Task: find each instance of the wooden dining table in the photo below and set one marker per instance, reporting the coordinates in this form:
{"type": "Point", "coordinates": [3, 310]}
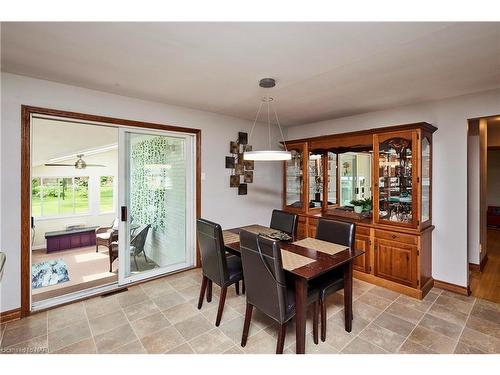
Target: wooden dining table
{"type": "Point", "coordinates": [305, 260]}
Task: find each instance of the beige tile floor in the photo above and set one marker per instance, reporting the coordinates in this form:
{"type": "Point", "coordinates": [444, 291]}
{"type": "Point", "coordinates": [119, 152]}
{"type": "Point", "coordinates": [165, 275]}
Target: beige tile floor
{"type": "Point", "coordinates": [161, 317]}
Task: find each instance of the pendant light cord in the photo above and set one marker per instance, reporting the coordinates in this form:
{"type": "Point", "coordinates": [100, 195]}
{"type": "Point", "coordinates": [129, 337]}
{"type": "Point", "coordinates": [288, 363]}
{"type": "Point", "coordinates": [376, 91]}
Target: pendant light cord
{"type": "Point", "coordinates": [279, 127]}
{"type": "Point", "coordinates": [269, 120]}
{"type": "Point", "coordinates": [255, 120]}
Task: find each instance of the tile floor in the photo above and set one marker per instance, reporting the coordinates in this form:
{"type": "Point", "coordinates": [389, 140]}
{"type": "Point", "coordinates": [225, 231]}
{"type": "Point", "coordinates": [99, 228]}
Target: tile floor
{"type": "Point", "coordinates": [161, 317]}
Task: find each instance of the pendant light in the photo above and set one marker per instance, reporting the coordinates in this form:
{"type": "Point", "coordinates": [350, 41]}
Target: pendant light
{"type": "Point", "coordinates": [270, 154]}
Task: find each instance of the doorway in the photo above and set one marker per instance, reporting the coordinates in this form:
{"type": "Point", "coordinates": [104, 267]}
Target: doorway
{"type": "Point", "coordinates": [105, 203]}
{"type": "Point", "coordinates": [484, 207]}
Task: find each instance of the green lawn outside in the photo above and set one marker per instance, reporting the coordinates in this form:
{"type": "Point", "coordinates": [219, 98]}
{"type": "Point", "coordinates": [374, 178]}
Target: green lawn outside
{"type": "Point", "coordinates": [57, 206]}
{"type": "Point", "coordinates": [106, 203]}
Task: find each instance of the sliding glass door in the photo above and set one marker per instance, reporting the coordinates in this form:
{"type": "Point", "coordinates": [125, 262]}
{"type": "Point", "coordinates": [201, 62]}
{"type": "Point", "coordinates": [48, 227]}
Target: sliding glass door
{"type": "Point", "coordinates": [157, 204]}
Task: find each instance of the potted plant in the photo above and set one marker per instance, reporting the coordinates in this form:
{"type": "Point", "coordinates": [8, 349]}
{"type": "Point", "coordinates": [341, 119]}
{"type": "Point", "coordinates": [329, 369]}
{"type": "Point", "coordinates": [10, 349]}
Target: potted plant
{"type": "Point", "coordinates": [367, 204]}
{"type": "Point", "coordinates": [358, 205]}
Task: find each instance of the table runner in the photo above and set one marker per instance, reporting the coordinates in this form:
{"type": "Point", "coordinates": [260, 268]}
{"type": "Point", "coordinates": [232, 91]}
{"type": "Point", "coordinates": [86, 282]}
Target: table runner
{"type": "Point", "coordinates": [257, 229]}
{"type": "Point", "coordinates": [322, 246]}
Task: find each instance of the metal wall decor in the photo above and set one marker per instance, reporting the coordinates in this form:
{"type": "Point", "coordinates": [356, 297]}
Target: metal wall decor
{"type": "Point", "coordinates": [242, 170]}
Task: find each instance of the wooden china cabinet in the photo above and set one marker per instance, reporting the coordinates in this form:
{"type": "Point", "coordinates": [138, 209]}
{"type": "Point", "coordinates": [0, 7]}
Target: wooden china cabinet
{"type": "Point", "coordinates": [392, 166]}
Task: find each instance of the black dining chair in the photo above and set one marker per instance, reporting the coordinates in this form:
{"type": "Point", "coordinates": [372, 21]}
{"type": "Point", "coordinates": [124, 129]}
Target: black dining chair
{"type": "Point", "coordinates": [342, 233]}
{"type": "Point", "coordinates": [267, 288]}
{"type": "Point", "coordinates": [217, 267]}
{"type": "Point", "coordinates": [285, 222]}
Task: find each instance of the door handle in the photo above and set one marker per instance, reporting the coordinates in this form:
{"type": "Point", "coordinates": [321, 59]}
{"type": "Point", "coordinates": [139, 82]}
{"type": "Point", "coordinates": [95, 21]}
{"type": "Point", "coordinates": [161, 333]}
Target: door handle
{"type": "Point", "coordinates": [124, 213]}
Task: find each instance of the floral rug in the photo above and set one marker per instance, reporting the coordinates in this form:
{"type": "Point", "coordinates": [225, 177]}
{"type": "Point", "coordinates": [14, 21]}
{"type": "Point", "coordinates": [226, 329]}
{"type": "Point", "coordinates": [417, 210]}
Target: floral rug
{"type": "Point", "coordinates": [49, 273]}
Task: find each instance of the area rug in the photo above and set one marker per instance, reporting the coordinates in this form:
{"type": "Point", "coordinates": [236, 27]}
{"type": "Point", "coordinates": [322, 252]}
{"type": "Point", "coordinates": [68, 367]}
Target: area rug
{"type": "Point", "coordinates": [49, 273]}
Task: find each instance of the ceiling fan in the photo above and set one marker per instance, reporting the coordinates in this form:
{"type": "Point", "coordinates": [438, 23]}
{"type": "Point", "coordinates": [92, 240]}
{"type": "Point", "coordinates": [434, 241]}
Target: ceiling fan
{"type": "Point", "coordinates": [79, 164]}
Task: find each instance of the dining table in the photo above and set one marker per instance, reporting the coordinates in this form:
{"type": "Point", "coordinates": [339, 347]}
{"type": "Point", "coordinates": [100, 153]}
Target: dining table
{"type": "Point", "coordinates": [305, 260]}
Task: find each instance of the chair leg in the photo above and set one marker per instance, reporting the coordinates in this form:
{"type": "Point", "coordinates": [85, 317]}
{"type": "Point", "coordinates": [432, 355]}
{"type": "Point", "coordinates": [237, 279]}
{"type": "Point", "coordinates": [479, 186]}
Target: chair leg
{"type": "Point", "coordinates": [146, 259]}
{"type": "Point", "coordinates": [323, 319]}
{"type": "Point", "coordinates": [135, 261]}
{"type": "Point", "coordinates": [246, 325]}
{"type": "Point", "coordinates": [281, 339]}
{"type": "Point", "coordinates": [209, 291]}
{"type": "Point", "coordinates": [243, 286]}
{"type": "Point", "coordinates": [237, 287]}
{"type": "Point", "coordinates": [222, 300]}
{"type": "Point", "coordinates": [202, 291]}
{"type": "Point", "coordinates": [315, 321]}
{"type": "Point", "coordinates": [96, 248]}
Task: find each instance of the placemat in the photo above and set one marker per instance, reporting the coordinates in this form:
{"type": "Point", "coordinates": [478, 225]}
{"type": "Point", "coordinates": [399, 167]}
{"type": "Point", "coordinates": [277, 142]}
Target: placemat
{"type": "Point", "coordinates": [292, 261]}
{"type": "Point", "coordinates": [319, 245]}
{"type": "Point", "coordinates": [230, 237]}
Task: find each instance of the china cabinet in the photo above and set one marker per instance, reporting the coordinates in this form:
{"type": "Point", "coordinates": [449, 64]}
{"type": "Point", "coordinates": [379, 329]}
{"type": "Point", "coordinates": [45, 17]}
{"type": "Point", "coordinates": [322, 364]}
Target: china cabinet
{"type": "Point", "coordinates": [389, 171]}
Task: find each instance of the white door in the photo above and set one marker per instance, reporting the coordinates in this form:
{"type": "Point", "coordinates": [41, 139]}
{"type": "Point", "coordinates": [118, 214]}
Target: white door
{"type": "Point", "coordinates": [157, 203]}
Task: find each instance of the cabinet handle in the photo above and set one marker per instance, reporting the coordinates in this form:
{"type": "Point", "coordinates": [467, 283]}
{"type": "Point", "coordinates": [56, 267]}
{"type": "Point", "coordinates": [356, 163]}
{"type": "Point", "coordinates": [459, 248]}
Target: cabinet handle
{"type": "Point", "coordinates": [394, 236]}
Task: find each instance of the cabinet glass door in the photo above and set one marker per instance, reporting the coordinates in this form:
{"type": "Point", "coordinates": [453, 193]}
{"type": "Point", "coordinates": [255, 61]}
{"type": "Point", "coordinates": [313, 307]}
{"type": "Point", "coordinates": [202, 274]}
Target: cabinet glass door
{"type": "Point", "coordinates": [315, 180]}
{"type": "Point", "coordinates": [395, 179]}
{"type": "Point", "coordinates": [426, 180]}
{"type": "Point", "coordinates": [294, 183]}
{"type": "Point", "coordinates": [332, 178]}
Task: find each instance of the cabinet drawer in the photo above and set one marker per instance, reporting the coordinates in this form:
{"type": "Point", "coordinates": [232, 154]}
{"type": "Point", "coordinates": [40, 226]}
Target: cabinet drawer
{"type": "Point", "coordinates": [363, 231]}
{"type": "Point", "coordinates": [397, 237]}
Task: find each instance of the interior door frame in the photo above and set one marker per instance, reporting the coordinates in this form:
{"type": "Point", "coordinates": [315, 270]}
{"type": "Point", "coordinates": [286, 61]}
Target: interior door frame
{"type": "Point", "coordinates": [26, 113]}
{"type": "Point", "coordinates": [124, 278]}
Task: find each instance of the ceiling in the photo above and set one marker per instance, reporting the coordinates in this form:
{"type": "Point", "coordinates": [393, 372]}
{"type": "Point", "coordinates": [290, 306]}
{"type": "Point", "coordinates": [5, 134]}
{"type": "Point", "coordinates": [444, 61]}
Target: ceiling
{"type": "Point", "coordinates": [323, 70]}
{"type": "Point", "coordinates": [71, 139]}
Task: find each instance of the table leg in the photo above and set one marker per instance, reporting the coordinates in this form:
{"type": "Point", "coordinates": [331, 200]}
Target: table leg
{"type": "Point", "coordinates": [300, 314]}
{"type": "Point", "coordinates": [348, 296]}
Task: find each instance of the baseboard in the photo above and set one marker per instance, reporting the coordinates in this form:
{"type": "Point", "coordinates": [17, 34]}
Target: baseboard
{"type": "Point", "coordinates": [474, 267]}
{"type": "Point", "coordinates": [396, 287]}
{"type": "Point", "coordinates": [452, 287]}
{"type": "Point", "coordinates": [479, 267]}
{"type": "Point", "coordinates": [8, 316]}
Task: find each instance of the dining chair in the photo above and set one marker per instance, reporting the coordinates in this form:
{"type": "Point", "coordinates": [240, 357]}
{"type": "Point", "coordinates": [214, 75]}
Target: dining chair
{"type": "Point", "coordinates": [137, 244]}
{"type": "Point", "coordinates": [267, 288]}
{"type": "Point", "coordinates": [216, 266]}
{"type": "Point", "coordinates": [285, 222]}
{"type": "Point", "coordinates": [342, 233]}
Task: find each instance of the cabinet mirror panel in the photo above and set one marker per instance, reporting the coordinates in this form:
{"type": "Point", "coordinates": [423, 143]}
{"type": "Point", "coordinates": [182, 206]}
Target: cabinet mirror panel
{"type": "Point", "coordinates": [426, 179]}
{"type": "Point", "coordinates": [294, 179]}
{"type": "Point", "coordinates": [316, 195]}
{"type": "Point", "coordinates": [395, 180]}
{"type": "Point", "coordinates": [355, 177]}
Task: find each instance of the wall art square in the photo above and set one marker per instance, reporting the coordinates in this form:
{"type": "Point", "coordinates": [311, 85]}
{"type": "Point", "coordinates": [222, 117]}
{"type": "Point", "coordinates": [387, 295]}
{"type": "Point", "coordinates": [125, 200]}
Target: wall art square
{"type": "Point", "coordinates": [242, 189]}
{"type": "Point", "coordinates": [238, 169]}
{"type": "Point", "coordinates": [249, 165]}
{"type": "Point", "coordinates": [234, 181]}
{"type": "Point", "coordinates": [230, 162]}
{"type": "Point", "coordinates": [234, 147]}
{"type": "Point", "coordinates": [248, 177]}
{"type": "Point", "coordinates": [242, 138]}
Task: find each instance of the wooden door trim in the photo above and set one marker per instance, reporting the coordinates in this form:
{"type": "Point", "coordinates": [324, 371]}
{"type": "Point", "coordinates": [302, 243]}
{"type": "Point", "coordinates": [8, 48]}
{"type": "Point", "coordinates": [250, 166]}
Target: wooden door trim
{"type": "Point", "coordinates": [26, 112]}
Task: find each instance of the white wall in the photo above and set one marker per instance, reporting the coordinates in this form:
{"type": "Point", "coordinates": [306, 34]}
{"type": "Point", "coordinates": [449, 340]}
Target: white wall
{"type": "Point", "coordinates": [449, 258]}
{"type": "Point", "coordinates": [94, 217]}
{"type": "Point", "coordinates": [473, 241]}
{"type": "Point", "coordinates": [219, 202]}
